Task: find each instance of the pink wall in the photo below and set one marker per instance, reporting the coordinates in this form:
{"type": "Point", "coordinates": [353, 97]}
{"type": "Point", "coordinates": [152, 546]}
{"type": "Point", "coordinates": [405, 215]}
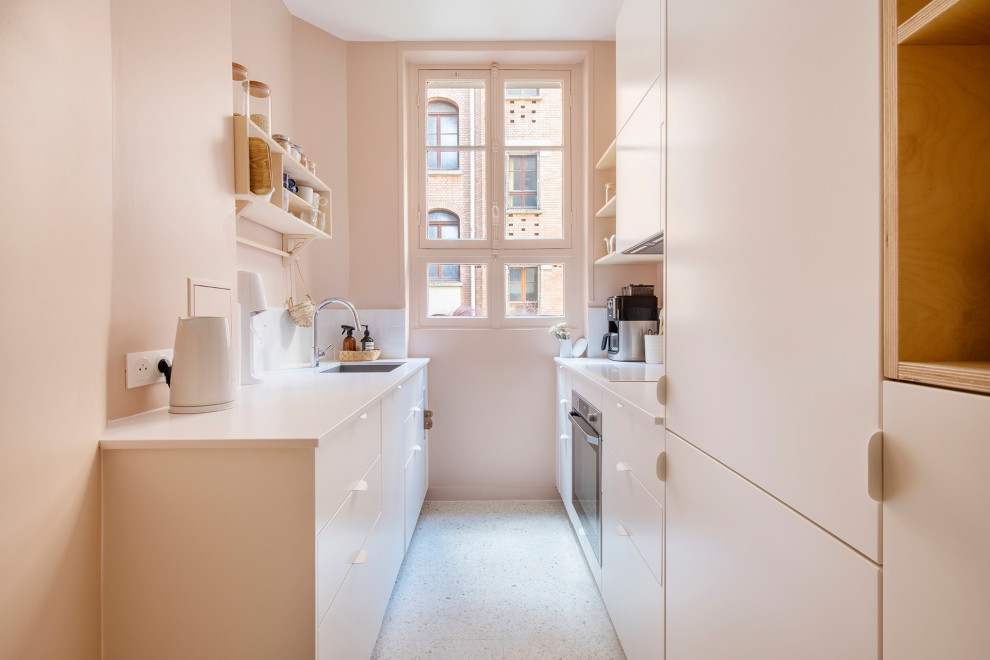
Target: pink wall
{"type": "Point", "coordinates": [55, 259]}
{"type": "Point", "coordinates": [377, 253]}
{"type": "Point", "coordinates": [320, 101]}
{"type": "Point", "coordinates": [172, 177]}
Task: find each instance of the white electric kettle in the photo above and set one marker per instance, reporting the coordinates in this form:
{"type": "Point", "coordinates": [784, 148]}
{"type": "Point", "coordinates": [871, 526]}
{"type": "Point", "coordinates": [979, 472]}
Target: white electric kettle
{"type": "Point", "coordinates": [202, 374]}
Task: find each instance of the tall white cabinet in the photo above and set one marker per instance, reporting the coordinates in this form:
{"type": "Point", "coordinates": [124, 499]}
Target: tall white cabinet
{"type": "Point", "coordinates": [773, 326]}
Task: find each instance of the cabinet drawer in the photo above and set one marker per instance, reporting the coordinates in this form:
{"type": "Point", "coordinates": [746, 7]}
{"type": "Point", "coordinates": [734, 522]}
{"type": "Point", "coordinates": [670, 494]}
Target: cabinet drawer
{"type": "Point", "coordinates": [342, 458]}
{"type": "Point", "coordinates": [633, 597]}
{"type": "Point", "coordinates": [412, 429]}
{"type": "Point", "coordinates": [409, 395]}
{"type": "Point", "coordinates": [632, 507]}
{"type": "Point", "coordinates": [635, 439]}
{"type": "Point", "coordinates": [417, 481]}
{"type": "Point", "coordinates": [588, 391]}
{"type": "Point", "coordinates": [342, 538]}
{"type": "Point", "coordinates": [354, 619]}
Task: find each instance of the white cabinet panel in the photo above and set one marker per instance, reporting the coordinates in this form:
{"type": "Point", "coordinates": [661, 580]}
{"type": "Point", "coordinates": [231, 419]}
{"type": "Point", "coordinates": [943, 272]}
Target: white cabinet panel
{"type": "Point", "coordinates": [936, 523]}
{"type": "Point", "coordinates": [634, 510]}
{"type": "Point", "coordinates": [633, 597]}
{"type": "Point", "coordinates": [749, 578]}
{"type": "Point", "coordinates": [417, 483]}
{"type": "Point", "coordinates": [635, 438]}
{"type": "Point", "coordinates": [342, 458]}
{"type": "Point", "coordinates": [639, 172]}
{"type": "Point", "coordinates": [638, 54]}
{"type": "Point", "coordinates": [562, 406]}
{"type": "Point", "coordinates": [773, 251]}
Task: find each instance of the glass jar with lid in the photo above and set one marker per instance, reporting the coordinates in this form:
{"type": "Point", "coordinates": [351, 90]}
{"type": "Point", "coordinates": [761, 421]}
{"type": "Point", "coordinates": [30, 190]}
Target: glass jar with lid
{"type": "Point", "coordinates": [241, 80]}
{"type": "Point", "coordinates": [261, 105]}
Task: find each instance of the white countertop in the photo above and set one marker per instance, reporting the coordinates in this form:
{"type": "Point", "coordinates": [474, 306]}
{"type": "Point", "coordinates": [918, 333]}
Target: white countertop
{"type": "Point", "coordinates": [289, 410]}
{"type": "Point", "coordinates": [640, 392]}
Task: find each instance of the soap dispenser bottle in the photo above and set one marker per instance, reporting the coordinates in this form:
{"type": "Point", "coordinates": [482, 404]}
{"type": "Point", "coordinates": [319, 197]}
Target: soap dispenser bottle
{"type": "Point", "coordinates": [350, 343]}
{"type": "Point", "coordinates": [367, 343]}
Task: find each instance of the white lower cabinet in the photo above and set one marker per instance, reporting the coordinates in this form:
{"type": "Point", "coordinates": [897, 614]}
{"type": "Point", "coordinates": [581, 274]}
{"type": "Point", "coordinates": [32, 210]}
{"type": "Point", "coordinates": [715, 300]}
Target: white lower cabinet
{"type": "Point", "coordinates": [936, 529]}
{"type": "Point", "coordinates": [352, 623]}
{"type": "Point", "coordinates": [632, 550]}
{"type": "Point", "coordinates": [748, 578]}
{"type": "Point", "coordinates": [416, 480]}
{"type": "Point", "coordinates": [563, 427]}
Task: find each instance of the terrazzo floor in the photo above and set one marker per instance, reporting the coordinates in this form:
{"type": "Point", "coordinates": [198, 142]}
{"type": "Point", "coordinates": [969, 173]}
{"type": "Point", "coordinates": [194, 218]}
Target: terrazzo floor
{"type": "Point", "coordinates": [496, 580]}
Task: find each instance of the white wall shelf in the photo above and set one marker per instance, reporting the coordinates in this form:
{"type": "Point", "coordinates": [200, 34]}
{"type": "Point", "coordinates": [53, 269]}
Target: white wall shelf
{"type": "Point", "coordinates": [607, 161]}
{"type": "Point", "coordinates": [608, 210]}
{"type": "Point", "coordinates": [619, 259]}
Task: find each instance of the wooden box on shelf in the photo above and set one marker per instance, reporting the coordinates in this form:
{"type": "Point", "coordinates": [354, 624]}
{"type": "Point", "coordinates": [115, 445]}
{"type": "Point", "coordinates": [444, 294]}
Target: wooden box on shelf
{"type": "Point", "coordinates": [296, 234]}
{"type": "Point", "coordinates": [936, 197]}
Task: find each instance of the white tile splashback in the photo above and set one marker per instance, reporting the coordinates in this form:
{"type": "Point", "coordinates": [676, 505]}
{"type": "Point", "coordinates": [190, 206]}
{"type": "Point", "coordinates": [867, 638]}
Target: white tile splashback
{"type": "Point", "coordinates": [284, 345]}
{"type": "Point", "coordinates": [387, 327]}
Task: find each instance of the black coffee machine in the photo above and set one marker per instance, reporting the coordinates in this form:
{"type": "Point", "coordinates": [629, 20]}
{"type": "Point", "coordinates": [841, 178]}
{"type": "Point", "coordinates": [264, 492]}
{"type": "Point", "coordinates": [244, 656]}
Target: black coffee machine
{"type": "Point", "coordinates": [630, 316]}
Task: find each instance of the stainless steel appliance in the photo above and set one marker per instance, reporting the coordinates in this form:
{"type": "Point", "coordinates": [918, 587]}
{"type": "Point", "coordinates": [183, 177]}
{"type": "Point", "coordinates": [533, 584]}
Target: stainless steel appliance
{"type": "Point", "coordinates": [629, 317]}
{"type": "Point", "coordinates": [586, 469]}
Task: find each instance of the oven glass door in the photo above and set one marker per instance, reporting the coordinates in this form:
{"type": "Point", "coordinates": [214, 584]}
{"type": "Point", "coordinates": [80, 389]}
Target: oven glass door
{"type": "Point", "coordinates": [586, 480]}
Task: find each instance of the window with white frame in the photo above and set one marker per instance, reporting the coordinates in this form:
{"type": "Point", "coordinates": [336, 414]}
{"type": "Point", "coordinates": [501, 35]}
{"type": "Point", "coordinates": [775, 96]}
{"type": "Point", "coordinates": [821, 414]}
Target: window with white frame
{"type": "Point", "coordinates": [493, 221]}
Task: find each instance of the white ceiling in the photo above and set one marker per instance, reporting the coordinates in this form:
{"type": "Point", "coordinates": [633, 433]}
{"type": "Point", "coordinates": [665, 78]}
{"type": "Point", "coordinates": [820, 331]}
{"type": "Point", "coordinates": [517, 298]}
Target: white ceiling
{"type": "Point", "coordinates": [461, 20]}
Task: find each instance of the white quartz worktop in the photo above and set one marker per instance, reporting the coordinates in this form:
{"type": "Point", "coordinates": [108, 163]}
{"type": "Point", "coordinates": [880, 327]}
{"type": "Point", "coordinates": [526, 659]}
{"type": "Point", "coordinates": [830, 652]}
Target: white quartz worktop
{"type": "Point", "coordinates": [289, 410]}
{"type": "Point", "coordinates": [615, 377]}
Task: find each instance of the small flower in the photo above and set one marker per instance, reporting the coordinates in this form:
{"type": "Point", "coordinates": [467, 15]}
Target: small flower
{"type": "Point", "coordinates": [559, 331]}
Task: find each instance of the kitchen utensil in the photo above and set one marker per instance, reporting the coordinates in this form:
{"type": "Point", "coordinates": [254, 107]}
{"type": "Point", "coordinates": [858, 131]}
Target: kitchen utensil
{"type": "Point", "coordinates": [260, 164]}
{"type": "Point", "coordinates": [202, 374]}
{"type": "Point", "coordinates": [308, 216]}
{"type": "Point", "coordinates": [580, 344]}
{"type": "Point", "coordinates": [260, 101]}
{"type": "Point", "coordinates": [306, 194]}
{"type": "Point", "coordinates": [241, 80]}
{"type": "Point", "coordinates": [653, 348]}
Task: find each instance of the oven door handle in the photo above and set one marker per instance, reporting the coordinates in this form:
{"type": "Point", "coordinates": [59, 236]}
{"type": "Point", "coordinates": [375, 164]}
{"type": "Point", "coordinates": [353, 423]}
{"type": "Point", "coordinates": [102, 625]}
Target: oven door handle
{"type": "Point", "coordinates": [591, 435]}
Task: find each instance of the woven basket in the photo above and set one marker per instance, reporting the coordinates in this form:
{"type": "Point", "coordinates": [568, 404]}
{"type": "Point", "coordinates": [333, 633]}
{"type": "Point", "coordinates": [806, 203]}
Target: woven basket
{"type": "Point", "coordinates": [358, 356]}
{"type": "Point", "coordinates": [302, 312]}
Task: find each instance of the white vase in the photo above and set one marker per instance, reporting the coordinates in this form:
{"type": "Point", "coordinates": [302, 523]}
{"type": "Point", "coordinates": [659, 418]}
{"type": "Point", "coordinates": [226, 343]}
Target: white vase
{"type": "Point", "coordinates": [566, 348]}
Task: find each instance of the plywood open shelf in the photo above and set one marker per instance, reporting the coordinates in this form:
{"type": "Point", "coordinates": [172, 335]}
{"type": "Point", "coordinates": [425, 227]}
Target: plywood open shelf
{"type": "Point", "coordinates": [937, 201]}
{"type": "Point", "coordinates": [947, 22]}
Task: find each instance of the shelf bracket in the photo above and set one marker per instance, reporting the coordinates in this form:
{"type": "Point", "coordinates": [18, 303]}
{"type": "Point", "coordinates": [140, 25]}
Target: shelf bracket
{"type": "Point", "coordinates": [293, 252]}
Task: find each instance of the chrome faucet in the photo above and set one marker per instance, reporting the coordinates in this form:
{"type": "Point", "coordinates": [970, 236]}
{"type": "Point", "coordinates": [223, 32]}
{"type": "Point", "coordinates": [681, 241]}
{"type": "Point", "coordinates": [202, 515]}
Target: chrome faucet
{"type": "Point", "coordinates": [314, 360]}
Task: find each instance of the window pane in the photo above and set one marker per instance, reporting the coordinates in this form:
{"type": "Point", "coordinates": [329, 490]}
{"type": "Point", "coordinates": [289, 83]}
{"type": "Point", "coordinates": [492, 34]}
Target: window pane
{"type": "Point", "coordinates": [515, 274]}
{"type": "Point", "coordinates": [467, 98]}
{"type": "Point", "coordinates": [457, 290]}
{"type": "Point", "coordinates": [533, 113]}
{"type": "Point", "coordinates": [458, 189]}
{"type": "Point", "coordinates": [534, 195]}
{"type": "Point", "coordinates": [539, 293]}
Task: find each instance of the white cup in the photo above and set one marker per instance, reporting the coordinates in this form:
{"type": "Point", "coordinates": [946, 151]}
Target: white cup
{"type": "Point", "coordinates": [305, 194]}
{"type": "Point", "coordinates": [653, 345]}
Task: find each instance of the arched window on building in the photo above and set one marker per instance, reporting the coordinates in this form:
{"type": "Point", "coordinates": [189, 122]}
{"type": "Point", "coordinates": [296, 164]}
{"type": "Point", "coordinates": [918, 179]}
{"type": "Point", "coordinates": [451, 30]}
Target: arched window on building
{"type": "Point", "coordinates": [440, 225]}
{"type": "Point", "coordinates": [441, 131]}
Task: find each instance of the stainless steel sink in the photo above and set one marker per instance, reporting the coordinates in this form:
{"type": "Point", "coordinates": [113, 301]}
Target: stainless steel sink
{"type": "Point", "coordinates": [362, 367]}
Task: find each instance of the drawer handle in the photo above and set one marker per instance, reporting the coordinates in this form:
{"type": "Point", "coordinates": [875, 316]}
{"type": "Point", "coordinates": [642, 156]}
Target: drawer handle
{"type": "Point", "coordinates": [581, 532]}
{"type": "Point", "coordinates": [621, 531]}
{"type": "Point", "coordinates": [662, 391]}
{"type": "Point", "coordinates": [564, 401]}
{"type": "Point", "coordinates": [619, 405]}
{"type": "Point", "coordinates": [398, 387]}
{"type": "Point", "coordinates": [621, 467]}
{"type": "Point", "coordinates": [662, 466]}
{"type": "Point", "coordinates": [364, 415]}
{"type": "Point", "coordinates": [360, 557]}
{"type": "Point", "coordinates": [360, 484]}
{"type": "Point", "coordinates": [417, 448]}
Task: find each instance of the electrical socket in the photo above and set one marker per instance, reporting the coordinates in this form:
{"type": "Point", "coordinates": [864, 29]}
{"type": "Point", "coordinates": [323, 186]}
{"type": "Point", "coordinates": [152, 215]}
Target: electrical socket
{"type": "Point", "coordinates": [142, 368]}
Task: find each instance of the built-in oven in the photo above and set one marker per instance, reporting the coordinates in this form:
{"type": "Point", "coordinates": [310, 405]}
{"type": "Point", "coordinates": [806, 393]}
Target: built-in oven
{"type": "Point", "coordinates": [586, 471]}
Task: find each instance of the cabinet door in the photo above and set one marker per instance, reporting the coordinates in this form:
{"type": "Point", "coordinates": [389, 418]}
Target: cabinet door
{"type": "Point", "coordinates": [773, 248]}
{"type": "Point", "coordinates": [562, 406]}
{"type": "Point", "coordinates": [936, 537]}
{"type": "Point", "coordinates": [639, 172]}
{"type": "Point", "coordinates": [632, 594]}
{"type": "Point", "coordinates": [638, 54]}
{"type": "Point", "coordinates": [747, 578]}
